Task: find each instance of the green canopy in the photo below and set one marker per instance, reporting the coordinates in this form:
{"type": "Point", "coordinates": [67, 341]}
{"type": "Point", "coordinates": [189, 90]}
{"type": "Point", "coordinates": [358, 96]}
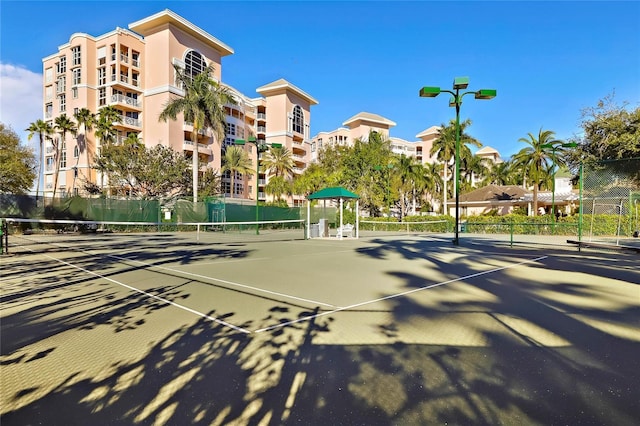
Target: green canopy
{"type": "Point", "coordinates": [332, 193]}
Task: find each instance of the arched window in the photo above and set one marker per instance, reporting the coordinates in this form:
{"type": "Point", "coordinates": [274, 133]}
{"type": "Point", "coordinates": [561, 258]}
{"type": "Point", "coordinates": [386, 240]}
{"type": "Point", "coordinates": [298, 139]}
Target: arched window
{"type": "Point", "coordinates": [194, 63]}
{"type": "Point", "coordinates": [298, 119]}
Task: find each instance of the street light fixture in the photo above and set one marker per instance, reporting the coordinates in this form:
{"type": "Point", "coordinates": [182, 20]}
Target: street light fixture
{"type": "Point", "coordinates": [554, 148]}
{"type": "Point", "coordinates": [260, 148]}
{"type": "Point", "coordinates": [459, 83]}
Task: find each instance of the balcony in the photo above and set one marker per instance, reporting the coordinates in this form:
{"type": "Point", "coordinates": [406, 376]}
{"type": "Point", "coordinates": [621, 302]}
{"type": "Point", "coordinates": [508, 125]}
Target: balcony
{"type": "Point", "coordinates": [128, 122]}
{"type": "Point", "coordinates": [126, 101]}
{"type": "Point", "coordinates": [187, 145]}
{"type": "Point", "coordinates": [261, 129]}
{"type": "Point", "coordinates": [135, 62]}
{"type": "Point", "coordinates": [262, 116]}
{"type": "Point", "coordinates": [124, 58]}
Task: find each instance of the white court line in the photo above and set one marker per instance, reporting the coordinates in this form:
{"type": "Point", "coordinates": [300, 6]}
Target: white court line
{"type": "Point", "coordinates": [393, 296]}
{"type": "Point", "coordinates": [153, 296]}
{"type": "Point", "coordinates": [204, 277]}
{"type": "Point", "coordinates": [230, 283]}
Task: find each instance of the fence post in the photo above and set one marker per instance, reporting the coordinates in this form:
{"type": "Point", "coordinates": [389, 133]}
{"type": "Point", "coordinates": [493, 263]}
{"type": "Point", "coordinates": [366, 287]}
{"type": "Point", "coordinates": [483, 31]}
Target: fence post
{"type": "Point", "coordinates": [511, 233]}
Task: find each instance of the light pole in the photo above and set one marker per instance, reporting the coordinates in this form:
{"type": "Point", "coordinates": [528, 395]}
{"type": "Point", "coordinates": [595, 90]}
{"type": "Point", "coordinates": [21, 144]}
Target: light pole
{"type": "Point", "coordinates": [459, 83]}
{"type": "Point", "coordinates": [554, 148]}
{"type": "Point", "coordinates": [260, 148]}
{"type": "Point", "coordinates": [389, 167]}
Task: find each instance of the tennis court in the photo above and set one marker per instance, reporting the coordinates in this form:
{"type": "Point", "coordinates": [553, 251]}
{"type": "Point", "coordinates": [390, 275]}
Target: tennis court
{"type": "Point", "coordinates": [390, 328]}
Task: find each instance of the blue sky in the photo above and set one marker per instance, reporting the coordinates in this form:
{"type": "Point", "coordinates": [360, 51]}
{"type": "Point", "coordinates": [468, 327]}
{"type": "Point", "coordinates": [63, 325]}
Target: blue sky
{"type": "Point", "coordinates": [547, 60]}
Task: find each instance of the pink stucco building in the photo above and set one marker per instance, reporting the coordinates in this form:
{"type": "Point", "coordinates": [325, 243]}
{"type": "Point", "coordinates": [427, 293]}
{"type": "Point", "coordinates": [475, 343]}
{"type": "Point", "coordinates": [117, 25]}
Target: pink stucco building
{"type": "Point", "coordinates": [133, 70]}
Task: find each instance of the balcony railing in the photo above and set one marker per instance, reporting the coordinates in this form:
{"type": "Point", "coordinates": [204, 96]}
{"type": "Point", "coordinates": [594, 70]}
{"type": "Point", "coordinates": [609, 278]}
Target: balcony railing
{"type": "Point", "coordinates": [130, 121]}
{"type": "Point", "coordinates": [262, 129]}
{"type": "Point", "coordinates": [135, 62]}
{"type": "Point", "coordinates": [262, 116]}
{"type": "Point", "coordinates": [201, 146]}
{"type": "Point", "coordinates": [125, 100]}
{"type": "Point", "coordinates": [124, 58]}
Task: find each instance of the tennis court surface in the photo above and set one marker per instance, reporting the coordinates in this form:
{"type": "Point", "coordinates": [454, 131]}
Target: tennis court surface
{"type": "Point", "coordinates": [388, 329]}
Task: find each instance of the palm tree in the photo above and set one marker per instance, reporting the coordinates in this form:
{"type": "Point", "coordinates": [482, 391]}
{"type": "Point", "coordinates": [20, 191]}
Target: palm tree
{"type": "Point", "coordinates": [499, 174]}
{"type": "Point", "coordinates": [535, 159]}
{"type": "Point", "coordinates": [236, 160]}
{"type": "Point", "coordinates": [278, 161]}
{"type": "Point", "coordinates": [409, 174]}
{"type": "Point", "coordinates": [44, 130]}
{"type": "Point", "coordinates": [106, 133]}
{"type": "Point", "coordinates": [474, 167]}
{"type": "Point", "coordinates": [63, 125]}
{"type": "Point", "coordinates": [277, 186]}
{"type": "Point", "coordinates": [203, 106]}
{"type": "Point", "coordinates": [445, 148]}
{"type": "Point", "coordinates": [86, 119]}
{"type": "Point", "coordinates": [432, 181]}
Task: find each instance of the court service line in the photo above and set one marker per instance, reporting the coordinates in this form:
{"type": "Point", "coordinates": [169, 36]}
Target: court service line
{"type": "Point", "coordinates": [230, 283]}
{"type": "Point", "coordinates": [393, 296]}
{"type": "Point", "coordinates": [153, 296]}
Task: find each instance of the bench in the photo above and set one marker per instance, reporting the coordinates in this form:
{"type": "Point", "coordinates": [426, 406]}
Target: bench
{"type": "Point", "coordinates": [345, 230]}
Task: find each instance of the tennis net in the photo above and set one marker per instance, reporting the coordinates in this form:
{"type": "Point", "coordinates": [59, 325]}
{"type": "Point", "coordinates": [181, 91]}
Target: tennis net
{"type": "Point", "coordinates": [50, 234]}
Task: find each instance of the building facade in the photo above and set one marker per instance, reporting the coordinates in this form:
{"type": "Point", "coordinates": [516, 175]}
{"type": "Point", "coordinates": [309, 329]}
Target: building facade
{"type": "Point", "coordinates": [133, 71]}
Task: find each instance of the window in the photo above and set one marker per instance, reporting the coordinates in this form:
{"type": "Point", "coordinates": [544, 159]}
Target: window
{"type": "Point", "coordinates": [61, 84]}
{"type": "Point", "coordinates": [102, 96]}
{"type": "Point", "coordinates": [48, 75]}
{"type": "Point", "coordinates": [77, 76]}
{"type": "Point", "coordinates": [231, 129]}
{"type": "Point", "coordinates": [134, 58]}
{"type": "Point", "coordinates": [75, 111]}
{"type": "Point", "coordinates": [76, 56]}
{"type": "Point", "coordinates": [134, 79]}
{"type": "Point", "coordinates": [63, 155]}
{"type": "Point", "coordinates": [62, 65]}
{"type": "Point", "coordinates": [298, 119]}
{"type": "Point", "coordinates": [76, 151]}
{"type": "Point", "coordinates": [48, 94]}
{"type": "Point", "coordinates": [63, 103]}
{"type": "Point", "coordinates": [48, 111]}
{"type": "Point", "coordinates": [74, 92]}
{"type": "Point", "coordinates": [194, 63]}
{"type": "Point", "coordinates": [102, 76]}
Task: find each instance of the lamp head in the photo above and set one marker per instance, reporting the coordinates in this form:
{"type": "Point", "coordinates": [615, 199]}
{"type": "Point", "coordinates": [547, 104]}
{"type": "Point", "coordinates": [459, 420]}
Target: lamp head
{"type": "Point", "coordinates": [486, 94]}
{"type": "Point", "coordinates": [429, 92]}
{"type": "Point", "coordinates": [452, 101]}
{"type": "Point", "coordinates": [460, 82]}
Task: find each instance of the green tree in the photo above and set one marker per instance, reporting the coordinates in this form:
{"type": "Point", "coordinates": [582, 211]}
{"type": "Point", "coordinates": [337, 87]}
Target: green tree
{"type": "Point", "coordinates": [444, 148]}
{"type": "Point", "coordinates": [611, 132]}
{"type": "Point", "coordinates": [63, 125]}
{"type": "Point", "coordinates": [277, 186]}
{"type": "Point", "coordinates": [140, 172]}
{"type": "Point", "coordinates": [535, 160]}
{"type": "Point", "coordinates": [473, 167]}
{"type": "Point", "coordinates": [409, 173]}
{"type": "Point", "coordinates": [313, 179]}
{"type": "Point", "coordinates": [17, 163]}
{"type": "Point", "coordinates": [203, 106]}
{"type": "Point", "coordinates": [86, 120]}
{"type": "Point", "coordinates": [499, 174]}
{"type": "Point", "coordinates": [44, 131]}
{"type": "Point", "coordinates": [236, 160]}
{"type": "Point", "coordinates": [278, 161]}
{"type": "Point", "coordinates": [210, 184]}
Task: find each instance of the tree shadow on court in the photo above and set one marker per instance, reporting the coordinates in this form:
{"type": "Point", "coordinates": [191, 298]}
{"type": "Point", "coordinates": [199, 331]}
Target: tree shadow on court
{"type": "Point", "coordinates": [587, 376]}
{"type": "Point", "coordinates": [206, 373]}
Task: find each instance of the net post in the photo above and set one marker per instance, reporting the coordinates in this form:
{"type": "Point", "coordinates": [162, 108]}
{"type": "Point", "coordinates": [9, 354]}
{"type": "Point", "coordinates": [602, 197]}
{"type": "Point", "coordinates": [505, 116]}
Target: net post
{"type": "Point", "coordinates": [198, 232]}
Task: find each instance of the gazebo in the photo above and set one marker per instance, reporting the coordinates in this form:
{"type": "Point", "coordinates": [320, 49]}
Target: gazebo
{"type": "Point", "coordinates": [333, 193]}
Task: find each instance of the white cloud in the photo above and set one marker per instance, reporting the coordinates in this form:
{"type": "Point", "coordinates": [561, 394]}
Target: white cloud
{"type": "Point", "coordinates": [20, 98]}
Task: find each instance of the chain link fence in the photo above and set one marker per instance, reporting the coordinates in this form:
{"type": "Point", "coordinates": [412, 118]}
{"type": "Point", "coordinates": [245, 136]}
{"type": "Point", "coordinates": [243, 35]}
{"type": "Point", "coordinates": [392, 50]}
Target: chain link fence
{"type": "Point", "coordinates": [610, 201]}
